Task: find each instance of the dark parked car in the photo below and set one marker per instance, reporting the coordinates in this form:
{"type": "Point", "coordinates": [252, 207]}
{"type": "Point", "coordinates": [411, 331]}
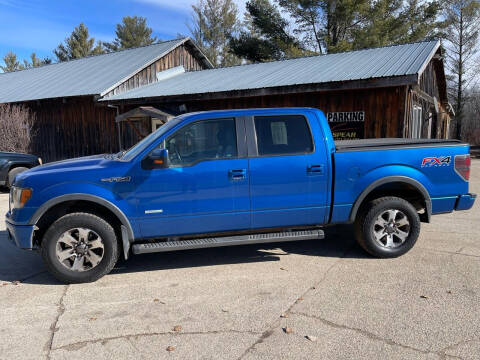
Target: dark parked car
{"type": "Point", "coordinates": [12, 164]}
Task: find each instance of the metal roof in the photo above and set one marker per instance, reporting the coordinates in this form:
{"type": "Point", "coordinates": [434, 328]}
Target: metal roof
{"type": "Point", "coordinates": [93, 75]}
{"type": "Point", "coordinates": [391, 61]}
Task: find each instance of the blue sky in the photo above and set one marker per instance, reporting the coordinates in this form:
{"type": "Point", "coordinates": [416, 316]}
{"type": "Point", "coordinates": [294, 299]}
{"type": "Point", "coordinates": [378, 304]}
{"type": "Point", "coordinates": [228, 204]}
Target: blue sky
{"type": "Point", "coordinates": [38, 26]}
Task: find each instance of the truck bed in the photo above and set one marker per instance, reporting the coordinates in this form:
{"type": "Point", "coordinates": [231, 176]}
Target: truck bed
{"type": "Point", "coordinates": [390, 143]}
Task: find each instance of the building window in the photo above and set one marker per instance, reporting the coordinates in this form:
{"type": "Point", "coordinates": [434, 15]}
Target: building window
{"type": "Point", "coordinates": [416, 123]}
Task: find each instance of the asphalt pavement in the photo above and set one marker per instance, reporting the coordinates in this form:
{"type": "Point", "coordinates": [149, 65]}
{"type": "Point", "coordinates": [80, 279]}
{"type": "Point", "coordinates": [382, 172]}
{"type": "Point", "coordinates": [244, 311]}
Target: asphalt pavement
{"type": "Point", "coordinates": [303, 300]}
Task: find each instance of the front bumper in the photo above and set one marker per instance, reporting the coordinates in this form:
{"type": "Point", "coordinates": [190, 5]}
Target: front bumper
{"type": "Point", "coordinates": [21, 235]}
{"type": "Point", "coordinates": [465, 202]}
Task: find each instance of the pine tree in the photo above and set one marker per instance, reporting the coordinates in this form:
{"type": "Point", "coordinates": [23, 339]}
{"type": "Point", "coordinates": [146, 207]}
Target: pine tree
{"type": "Point", "coordinates": [462, 36]}
{"type": "Point", "coordinates": [213, 23]}
{"type": "Point", "coordinates": [326, 24]}
{"type": "Point", "coordinates": [422, 20]}
{"type": "Point", "coordinates": [340, 25]}
{"type": "Point", "coordinates": [265, 36]}
{"type": "Point", "coordinates": [132, 32]}
{"type": "Point", "coordinates": [383, 26]}
{"type": "Point", "coordinates": [35, 62]}
{"type": "Point", "coordinates": [11, 62]}
{"type": "Point", "coordinates": [79, 44]}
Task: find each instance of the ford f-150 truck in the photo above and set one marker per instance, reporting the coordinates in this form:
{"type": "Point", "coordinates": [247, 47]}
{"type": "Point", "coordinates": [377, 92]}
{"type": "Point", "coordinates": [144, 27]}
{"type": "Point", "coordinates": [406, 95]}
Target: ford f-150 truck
{"type": "Point", "coordinates": [234, 177]}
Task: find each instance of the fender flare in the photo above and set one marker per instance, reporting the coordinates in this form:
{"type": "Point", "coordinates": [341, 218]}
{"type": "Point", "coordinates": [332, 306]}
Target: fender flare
{"type": "Point", "coordinates": [390, 179]}
{"type": "Point", "coordinates": [86, 197]}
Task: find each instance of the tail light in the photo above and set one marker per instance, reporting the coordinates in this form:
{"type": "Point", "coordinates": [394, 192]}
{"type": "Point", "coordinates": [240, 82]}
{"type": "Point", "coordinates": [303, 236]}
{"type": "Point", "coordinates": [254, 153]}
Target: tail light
{"type": "Point", "coordinates": [462, 166]}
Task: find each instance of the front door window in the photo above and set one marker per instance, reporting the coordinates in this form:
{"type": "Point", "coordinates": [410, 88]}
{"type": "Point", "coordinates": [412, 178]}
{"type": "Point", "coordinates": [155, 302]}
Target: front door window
{"type": "Point", "coordinates": [202, 140]}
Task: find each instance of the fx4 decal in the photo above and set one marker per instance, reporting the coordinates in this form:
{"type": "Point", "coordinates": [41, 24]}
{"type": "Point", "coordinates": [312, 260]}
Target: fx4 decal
{"type": "Point", "coordinates": [436, 161]}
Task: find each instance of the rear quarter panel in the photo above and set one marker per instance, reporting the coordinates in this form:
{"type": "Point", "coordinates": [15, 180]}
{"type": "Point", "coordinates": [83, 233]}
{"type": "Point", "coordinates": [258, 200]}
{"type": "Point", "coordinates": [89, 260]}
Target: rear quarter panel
{"type": "Point", "coordinates": [356, 170]}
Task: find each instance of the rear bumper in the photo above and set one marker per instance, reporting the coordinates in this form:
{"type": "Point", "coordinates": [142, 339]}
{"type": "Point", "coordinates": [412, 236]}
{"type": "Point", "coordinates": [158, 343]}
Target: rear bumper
{"type": "Point", "coordinates": [465, 202]}
{"type": "Point", "coordinates": [20, 235]}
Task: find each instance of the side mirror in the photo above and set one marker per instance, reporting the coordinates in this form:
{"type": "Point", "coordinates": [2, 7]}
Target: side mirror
{"type": "Point", "coordinates": [157, 159]}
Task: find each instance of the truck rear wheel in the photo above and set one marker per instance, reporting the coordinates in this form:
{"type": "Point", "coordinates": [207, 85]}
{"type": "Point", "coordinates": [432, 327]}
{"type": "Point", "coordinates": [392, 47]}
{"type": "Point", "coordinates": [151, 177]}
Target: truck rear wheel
{"type": "Point", "coordinates": [80, 247]}
{"type": "Point", "coordinates": [387, 227]}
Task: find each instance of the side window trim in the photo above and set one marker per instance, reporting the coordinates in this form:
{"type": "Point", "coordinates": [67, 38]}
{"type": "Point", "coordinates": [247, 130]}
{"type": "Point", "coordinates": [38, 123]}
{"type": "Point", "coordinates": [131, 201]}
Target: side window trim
{"type": "Point", "coordinates": [242, 150]}
{"type": "Point", "coordinates": [252, 140]}
{"type": "Point", "coordinates": [251, 137]}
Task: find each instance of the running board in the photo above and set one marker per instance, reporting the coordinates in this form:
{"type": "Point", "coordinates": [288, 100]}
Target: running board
{"type": "Point", "coordinates": [227, 241]}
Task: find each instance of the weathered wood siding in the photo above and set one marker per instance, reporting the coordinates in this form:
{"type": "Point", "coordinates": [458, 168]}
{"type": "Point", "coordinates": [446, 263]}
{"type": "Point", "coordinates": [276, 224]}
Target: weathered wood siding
{"type": "Point", "coordinates": [76, 127]}
{"type": "Point", "coordinates": [427, 96]}
{"type": "Point", "coordinates": [130, 131]}
{"type": "Point", "coordinates": [182, 55]}
{"type": "Point", "coordinates": [428, 81]}
{"type": "Point", "coordinates": [384, 107]}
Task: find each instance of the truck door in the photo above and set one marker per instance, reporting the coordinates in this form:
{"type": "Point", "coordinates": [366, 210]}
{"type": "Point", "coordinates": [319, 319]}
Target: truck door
{"type": "Point", "coordinates": [288, 171]}
{"type": "Point", "coordinates": [205, 186]}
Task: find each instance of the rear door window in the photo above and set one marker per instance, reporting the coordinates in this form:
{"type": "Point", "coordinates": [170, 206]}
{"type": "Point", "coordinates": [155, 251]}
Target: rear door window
{"type": "Point", "coordinates": [283, 135]}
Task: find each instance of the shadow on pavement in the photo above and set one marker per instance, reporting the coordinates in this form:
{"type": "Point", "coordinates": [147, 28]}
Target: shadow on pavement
{"type": "Point", "coordinates": [27, 266]}
{"type": "Point", "coordinates": [17, 264]}
{"type": "Point", "coordinates": [338, 242]}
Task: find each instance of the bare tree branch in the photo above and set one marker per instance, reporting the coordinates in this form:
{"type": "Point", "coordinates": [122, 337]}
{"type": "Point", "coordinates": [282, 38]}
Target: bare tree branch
{"type": "Point", "coordinates": [16, 128]}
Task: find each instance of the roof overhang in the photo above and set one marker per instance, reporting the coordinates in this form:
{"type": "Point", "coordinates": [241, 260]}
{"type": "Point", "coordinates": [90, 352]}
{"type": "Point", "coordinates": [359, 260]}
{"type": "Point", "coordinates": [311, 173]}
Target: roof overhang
{"type": "Point", "coordinates": [438, 63]}
{"type": "Point", "coordinates": [432, 54]}
{"type": "Point", "coordinates": [281, 90]}
{"type": "Point", "coordinates": [143, 111]}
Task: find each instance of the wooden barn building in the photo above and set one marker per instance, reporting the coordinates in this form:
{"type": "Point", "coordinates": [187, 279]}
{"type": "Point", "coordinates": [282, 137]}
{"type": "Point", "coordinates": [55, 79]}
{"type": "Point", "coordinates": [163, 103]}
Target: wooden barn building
{"type": "Point", "coordinates": [395, 91]}
{"type": "Point", "coordinates": [70, 121]}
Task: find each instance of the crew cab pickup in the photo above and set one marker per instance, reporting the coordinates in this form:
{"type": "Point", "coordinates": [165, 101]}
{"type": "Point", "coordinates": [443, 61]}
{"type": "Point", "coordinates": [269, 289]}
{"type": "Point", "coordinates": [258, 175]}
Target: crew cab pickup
{"type": "Point", "coordinates": [234, 177]}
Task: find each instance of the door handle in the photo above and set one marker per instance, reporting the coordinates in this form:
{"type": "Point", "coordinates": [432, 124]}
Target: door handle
{"type": "Point", "coordinates": [315, 169]}
{"type": "Point", "coordinates": [237, 174]}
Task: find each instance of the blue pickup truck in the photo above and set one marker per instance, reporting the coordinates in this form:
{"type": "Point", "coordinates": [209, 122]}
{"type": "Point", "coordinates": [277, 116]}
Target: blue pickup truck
{"type": "Point", "coordinates": [234, 177]}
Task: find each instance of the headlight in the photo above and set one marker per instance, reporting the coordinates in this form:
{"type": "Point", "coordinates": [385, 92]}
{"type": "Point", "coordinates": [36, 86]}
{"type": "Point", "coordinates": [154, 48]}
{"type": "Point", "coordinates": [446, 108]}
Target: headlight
{"type": "Point", "coordinates": [40, 161]}
{"type": "Point", "coordinates": [18, 197]}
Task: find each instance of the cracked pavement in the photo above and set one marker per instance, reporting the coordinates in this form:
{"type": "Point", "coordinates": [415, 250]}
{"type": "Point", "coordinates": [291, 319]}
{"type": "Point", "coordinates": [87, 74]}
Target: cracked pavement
{"type": "Point", "coordinates": [229, 301]}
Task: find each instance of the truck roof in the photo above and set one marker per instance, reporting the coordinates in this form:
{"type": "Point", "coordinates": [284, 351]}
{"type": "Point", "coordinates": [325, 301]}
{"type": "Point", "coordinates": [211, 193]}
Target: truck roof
{"type": "Point", "coordinates": [280, 110]}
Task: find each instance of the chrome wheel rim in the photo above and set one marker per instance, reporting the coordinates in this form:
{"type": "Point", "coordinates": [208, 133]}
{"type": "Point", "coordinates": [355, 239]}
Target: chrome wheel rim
{"type": "Point", "coordinates": [79, 249]}
{"type": "Point", "coordinates": [391, 229]}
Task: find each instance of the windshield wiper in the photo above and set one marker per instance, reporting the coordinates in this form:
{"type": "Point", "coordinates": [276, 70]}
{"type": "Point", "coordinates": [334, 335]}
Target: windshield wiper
{"type": "Point", "coordinates": [115, 156]}
{"type": "Point", "coordinates": [120, 154]}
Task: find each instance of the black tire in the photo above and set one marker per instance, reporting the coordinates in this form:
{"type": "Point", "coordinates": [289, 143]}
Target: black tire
{"type": "Point", "coordinates": [365, 223]}
{"type": "Point", "coordinates": [111, 248]}
{"type": "Point", "coordinates": [14, 172]}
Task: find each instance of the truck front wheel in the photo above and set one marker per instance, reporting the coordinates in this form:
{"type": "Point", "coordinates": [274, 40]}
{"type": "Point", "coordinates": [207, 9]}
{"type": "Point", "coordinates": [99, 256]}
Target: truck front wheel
{"type": "Point", "coordinates": [80, 247]}
{"type": "Point", "coordinates": [387, 227]}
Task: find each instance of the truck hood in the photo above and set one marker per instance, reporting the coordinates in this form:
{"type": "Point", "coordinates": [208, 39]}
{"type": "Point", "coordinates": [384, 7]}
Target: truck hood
{"type": "Point", "coordinates": [84, 169]}
{"type": "Point", "coordinates": [85, 161]}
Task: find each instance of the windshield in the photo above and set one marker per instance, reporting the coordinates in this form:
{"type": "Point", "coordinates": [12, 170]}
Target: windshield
{"type": "Point", "coordinates": [145, 142]}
